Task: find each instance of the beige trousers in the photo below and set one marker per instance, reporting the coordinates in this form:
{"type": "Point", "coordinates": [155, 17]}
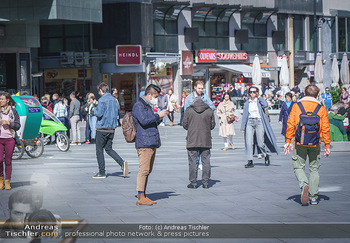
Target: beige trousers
{"type": "Point", "coordinates": [146, 160]}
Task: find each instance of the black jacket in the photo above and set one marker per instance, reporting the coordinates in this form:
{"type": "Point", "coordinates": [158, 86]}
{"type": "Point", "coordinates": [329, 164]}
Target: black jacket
{"type": "Point", "coordinates": [199, 120]}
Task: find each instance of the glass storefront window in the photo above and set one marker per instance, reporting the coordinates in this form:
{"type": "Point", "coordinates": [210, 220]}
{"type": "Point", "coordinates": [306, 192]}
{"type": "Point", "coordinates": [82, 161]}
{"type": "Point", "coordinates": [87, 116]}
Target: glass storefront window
{"type": "Point", "coordinates": [312, 32]}
{"type": "Point", "coordinates": [342, 34]}
{"type": "Point", "coordinates": [57, 38]}
{"type": "Point", "coordinates": [256, 44]}
{"type": "Point", "coordinates": [281, 26]}
{"type": "Point", "coordinates": [299, 36]}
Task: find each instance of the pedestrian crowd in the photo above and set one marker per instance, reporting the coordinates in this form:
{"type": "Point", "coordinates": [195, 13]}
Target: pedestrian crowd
{"type": "Point", "coordinates": [197, 111]}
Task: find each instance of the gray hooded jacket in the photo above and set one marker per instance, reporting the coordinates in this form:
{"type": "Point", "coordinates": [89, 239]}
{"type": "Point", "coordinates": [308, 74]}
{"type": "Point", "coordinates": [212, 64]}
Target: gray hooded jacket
{"type": "Point", "coordinates": [198, 120]}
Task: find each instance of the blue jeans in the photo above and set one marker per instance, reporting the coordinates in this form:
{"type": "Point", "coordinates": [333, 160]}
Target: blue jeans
{"type": "Point", "coordinates": [92, 123]}
{"type": "Point", "coordinates": [164, 119]}
{"type": "Point", "coordinates": [182, 115]}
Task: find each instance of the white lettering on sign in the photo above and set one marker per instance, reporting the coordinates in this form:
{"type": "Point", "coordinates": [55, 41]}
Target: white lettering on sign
{"type": "Point", "coordinates": [130, 54]}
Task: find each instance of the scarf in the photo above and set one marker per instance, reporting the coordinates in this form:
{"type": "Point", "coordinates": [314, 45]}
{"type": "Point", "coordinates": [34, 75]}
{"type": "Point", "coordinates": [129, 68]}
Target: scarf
{"type": "Point", "coordinates": [8, 111]}
{"type": "Point", "coordinates": [288, 104]}
{"type": "Point", "coordinates": [225, 103]}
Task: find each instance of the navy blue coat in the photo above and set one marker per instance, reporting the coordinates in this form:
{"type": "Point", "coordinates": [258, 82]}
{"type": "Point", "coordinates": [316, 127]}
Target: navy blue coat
{"type": "Point", "coordinates": [284, 115]}
{"type": "Point", "coordinates": [146, 122]}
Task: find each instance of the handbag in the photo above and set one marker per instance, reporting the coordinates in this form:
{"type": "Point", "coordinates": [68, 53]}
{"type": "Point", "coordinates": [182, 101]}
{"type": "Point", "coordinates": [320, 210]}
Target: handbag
{"type": "Point", "coordinates": [230, 118]}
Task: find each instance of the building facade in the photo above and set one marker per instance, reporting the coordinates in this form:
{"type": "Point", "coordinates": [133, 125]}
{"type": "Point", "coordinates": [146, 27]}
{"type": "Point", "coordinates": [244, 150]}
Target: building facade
{"type": "Point", "coordinates": [181, 41]}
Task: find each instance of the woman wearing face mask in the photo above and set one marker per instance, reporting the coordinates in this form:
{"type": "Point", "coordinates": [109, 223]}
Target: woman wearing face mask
{"type": "Point", "coordinates": [224, 110]}
{"type": "Point", "coordinates": [9, 120]}
{"type": "Point", "coordinates": [285, 111]}
{"type": "Point", "coordinates": [255, 121]}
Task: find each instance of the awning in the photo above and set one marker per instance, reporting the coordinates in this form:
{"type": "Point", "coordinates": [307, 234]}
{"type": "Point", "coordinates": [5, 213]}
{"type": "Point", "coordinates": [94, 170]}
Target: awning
{"type": "Point", "coordinates": [267, 67]}
{"type": "Point", "coordinates": [243, 69]}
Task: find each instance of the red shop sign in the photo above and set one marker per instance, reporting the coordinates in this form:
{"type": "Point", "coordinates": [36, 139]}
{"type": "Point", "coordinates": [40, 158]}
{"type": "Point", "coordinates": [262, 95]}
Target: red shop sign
{"type": "Point", "coordinates": [204, 56]}
{"type": "Point", "coordinates": [128, 55]}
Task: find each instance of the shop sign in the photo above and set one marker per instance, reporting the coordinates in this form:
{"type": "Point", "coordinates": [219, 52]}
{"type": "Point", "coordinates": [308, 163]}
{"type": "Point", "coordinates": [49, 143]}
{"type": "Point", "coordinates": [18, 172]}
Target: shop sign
{"type": "Point", "coordinates": [128, 55]}
{"type": "Point", "coordinates": [205, 56]}
{"type": "Point", "coordinates": [187, 63]}
{"type": "Point", "coordinates": [74, 73]}
{"type": "Point", "coordinates": [213, 56]}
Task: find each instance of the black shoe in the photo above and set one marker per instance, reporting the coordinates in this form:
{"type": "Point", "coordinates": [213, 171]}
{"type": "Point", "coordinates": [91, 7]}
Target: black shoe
{"type": "Point", "coordinates": [92, 141]}
{"type": "Point", "coordinates": [99, 176]}
{"type": "Point", "coordinates": [267, 160]}
{"type": "Point", "coordinates": [191, 186]}
{"type": "Point", "coordinates": [250, 164]}
{"type": "Point", "coordinates": [205, 186]}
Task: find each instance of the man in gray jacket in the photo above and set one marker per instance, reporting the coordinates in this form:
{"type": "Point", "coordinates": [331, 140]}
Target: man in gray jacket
{"type": "Point", "coordinates": [74, 116]}
{"type": "Point", "coordinates": [198, 120]}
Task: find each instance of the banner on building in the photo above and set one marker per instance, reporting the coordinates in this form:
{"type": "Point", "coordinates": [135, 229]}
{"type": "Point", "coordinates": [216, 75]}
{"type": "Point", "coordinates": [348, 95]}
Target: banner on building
{"type": "Point", "coordinates": [187, 62]}
{"type": "Point", "coordinates": [214, 56]}
{"type": "Point", "coordinates": [128, 55]}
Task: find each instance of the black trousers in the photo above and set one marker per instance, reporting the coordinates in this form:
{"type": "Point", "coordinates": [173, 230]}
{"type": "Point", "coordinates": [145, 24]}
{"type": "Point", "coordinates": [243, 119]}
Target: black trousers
{"type": "Point", "coordinates": [104, 140]}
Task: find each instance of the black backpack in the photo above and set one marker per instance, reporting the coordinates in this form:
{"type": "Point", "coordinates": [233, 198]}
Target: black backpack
{"type": "Point", "coordinates": [307, 133]}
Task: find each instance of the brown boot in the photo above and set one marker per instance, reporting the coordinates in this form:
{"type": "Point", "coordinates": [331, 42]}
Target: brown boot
{"type": "Point", "coordinates": [232, 146]}
{"type": "Point", "coordinates": [7, 185]}
{"type": "Point", "coordinates": [1, 182]}
{"type": "Point", "coordinates": [171, 124]}
{"type": "Point", "coordinates": [141, 200]}
{"type": "Point", "coordinates": [154, 202]}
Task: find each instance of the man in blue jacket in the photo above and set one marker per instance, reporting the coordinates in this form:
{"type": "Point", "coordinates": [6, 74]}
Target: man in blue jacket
{"type": "Point", "coordinates": [107, 120]}
{"type": "Point", "coordinates": [199, 91]}
{"type": "Point", "coordinates": [147, 138]}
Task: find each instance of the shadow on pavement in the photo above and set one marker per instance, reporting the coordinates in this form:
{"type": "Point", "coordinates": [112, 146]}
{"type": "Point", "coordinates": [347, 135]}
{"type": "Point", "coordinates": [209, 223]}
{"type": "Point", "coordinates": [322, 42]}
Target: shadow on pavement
{"type": "Point", "coordinates": [119, 174]}
{"type": "Point", "coordinates": [263, 164]}
{"type": "Point", "coordinates": [297, 199]}
{"type": "Point", "coordinates": [211, 182]}
{"type": "Point", "coordinates": [21, 183]}
{"type": "Point", "coordinates": [161, 195]}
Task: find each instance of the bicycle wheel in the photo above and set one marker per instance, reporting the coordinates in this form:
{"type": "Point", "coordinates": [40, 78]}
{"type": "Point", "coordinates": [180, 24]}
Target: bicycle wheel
{"type": "Point", "coordinates": [18, 151]}
{"type": "Point", "coordinates": [62, 142]}
{"type": "Point", "coordinates": [35, 151]}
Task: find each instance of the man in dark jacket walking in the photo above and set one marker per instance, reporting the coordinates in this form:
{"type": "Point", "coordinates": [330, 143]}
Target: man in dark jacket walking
{"type": "Point", "coordinates": [147, 138]}
{"type": "Point", "coordinates": [199, 120]}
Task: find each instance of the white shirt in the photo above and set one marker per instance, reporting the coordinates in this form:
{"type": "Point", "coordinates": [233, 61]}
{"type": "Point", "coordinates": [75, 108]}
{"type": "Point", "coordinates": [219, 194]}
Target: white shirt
{"type": "Point", "coordinates": [253, 109]}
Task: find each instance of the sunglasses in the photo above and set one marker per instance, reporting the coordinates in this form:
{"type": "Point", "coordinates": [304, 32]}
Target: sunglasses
{"type": "Point", "coordinates": [251, 92]}
{"type": "Point", "coordinates": [327, 89]}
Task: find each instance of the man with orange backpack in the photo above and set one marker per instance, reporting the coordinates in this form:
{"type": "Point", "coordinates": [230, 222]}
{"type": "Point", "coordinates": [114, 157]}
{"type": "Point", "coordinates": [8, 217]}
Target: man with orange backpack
{"type": "Point", "coordinates": [308, 122]}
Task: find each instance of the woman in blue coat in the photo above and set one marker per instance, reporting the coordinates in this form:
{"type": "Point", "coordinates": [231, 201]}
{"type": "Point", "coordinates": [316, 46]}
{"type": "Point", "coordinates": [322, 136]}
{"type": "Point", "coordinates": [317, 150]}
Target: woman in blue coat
{"type": "Point", "coordinates": [258, 135]}
{"type": "Point", "coordinates": [285, 111]}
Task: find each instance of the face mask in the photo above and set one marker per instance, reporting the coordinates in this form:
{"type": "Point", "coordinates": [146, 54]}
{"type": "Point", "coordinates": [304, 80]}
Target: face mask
{"type": "Point", "coordinates": [153, 101]}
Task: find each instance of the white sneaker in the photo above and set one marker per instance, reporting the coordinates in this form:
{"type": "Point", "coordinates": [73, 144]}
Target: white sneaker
{"type": "Point", "coordinates": [200, 167]}
{"type": "Point", "coordinates": [260, 156]}
{"type": "Point", "coordinates": [162, 124]}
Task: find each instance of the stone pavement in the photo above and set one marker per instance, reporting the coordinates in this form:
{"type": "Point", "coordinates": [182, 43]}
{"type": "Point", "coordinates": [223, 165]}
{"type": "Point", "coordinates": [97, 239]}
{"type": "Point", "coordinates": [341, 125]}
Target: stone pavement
{"type": "Point", "coordinates": [236, 195]}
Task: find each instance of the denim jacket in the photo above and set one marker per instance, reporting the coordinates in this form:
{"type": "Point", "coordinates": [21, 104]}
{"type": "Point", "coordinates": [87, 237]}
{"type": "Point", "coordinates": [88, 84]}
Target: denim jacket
{"type": "Point", "coordinates": [107, 111]}
{"type": "Point", "coordinates": [145, 122]}
{"type": "Point", "coordinates": [205, 98]}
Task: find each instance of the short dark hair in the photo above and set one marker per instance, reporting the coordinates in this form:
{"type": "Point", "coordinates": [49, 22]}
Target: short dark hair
{"type": "Point", "coordinates": [72, 94]}
{"type": "Point", "coordinates": [8, 97]}
{"type": "Point", "coordinates": [312, 90]}
{"type": "Point", "coordinates": [21, 196]}
{"type": "Point", "coordinates": [289, 94]}
{"type": "Point", "coordinates": [152, 89]}
{"type": "Point", "coordinates": [103, 87]}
